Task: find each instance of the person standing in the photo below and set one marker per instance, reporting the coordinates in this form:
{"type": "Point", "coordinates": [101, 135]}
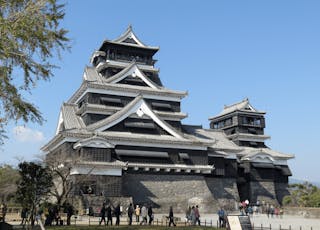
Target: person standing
{"type": "Point", "coordinates": [150, 214]}
{"type": "Point", "coordinates": [24, 216]}
{"type": "Point", "coordinates": [197, 214]}
{"type": "Point", "coordinates": [130, 212]}
{"type": "Point", "coordinates": [70, 212]}
{"type": "Point", "coordinates": [144, 213]}
{"type": "Point", "coordinates": [109, 215]}
{"type": "Point", "coordinates": [4, 211]}
{"type": "Point", "coordinates": [193, 216]}
{"type": "Point", "coordinates": [171, 218]}
{"type": "Point", "coordinates": [221, 216]}
{"type": "Point", "coordinates": [137, 213]}
{"type": "Point", "coordinates": [188, 214]}
{"type": "Point", "coordinates": [117, 213]}
{"type": "Point", "coordinates": [103, 214]}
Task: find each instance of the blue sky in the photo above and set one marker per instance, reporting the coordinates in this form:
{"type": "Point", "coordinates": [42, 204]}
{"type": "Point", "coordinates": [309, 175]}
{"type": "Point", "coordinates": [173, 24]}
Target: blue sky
{"type": "Point", "coordinates": [219, 51]}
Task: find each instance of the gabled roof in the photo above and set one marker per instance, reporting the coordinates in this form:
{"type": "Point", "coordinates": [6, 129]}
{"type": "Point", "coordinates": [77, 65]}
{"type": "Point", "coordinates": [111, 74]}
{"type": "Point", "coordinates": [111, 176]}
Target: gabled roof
{"type": "Point", "coordinates": [134, 71]}
{"type": "Point", "coordinates": [95, 141]}
{"type": "Point", "coordinates": [140, 107]}
{"type": "Point", "coordinates": [107, 110]}
{"type": "Point", "coordinates": [129, 34]}
{"type": "Point", "coordinates": [253, 153]}
{"type": "Point", "coordinates": [129, 38]}
{"type": "Point", "coordinates": [68, 118]}
{"type": "Point", "coordinates": [218, 138]}
{"type": "Point", "coordinates": [91, 74]}
{"type": "Point", "coordinates": [243, 106]}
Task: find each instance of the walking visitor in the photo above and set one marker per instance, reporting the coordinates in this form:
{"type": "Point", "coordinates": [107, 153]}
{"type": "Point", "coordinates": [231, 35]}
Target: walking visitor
{"type": "Point", "coordinates": [137, 213]}
{"type": "Point", "coordinates": [103, 215]}
{"type": "Point", "coordinates": [171, 218]}
{"type": "Point", "coordinates": [130, 213]}
{"type": "Point", "coordinates": [109, 215]}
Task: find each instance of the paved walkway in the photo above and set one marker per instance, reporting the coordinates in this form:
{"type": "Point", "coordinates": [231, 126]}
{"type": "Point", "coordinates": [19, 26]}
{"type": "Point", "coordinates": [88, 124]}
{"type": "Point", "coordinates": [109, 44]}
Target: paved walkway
{"type": "Point", "coordinates": [258, 220]}
{"type": "Point", "coordinates": [287, 222]}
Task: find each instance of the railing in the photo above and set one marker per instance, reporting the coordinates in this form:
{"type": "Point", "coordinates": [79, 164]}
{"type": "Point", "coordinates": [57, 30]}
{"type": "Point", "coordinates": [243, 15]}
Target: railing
{"type": "Point", "coordinates": [14, 218]}
{"type": "Point", "coordinates": [155, 222]}
{"type": "Point", "coordinates": [270, 227]}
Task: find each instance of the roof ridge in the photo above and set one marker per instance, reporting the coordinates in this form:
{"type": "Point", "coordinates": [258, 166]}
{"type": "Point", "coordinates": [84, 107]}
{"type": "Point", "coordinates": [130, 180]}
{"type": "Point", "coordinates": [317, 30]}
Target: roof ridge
{"type": "Point", "coordinates": [237, 103]}
{"type": "Point", "coordinates": [129, 34]}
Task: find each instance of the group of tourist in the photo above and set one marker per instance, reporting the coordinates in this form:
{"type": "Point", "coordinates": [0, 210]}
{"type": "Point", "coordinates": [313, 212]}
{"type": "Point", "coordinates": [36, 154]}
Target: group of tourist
{"type": "Point", "coordinates": [193, 215]}
{"type": "Point", "coordinates": [144, 214]}
{"type": "Point", "coordinates": [109, 210]}
{"type": "Point", "coordinates": [247, 208]}
{"type": "Point", "coordinates": [272, 211]}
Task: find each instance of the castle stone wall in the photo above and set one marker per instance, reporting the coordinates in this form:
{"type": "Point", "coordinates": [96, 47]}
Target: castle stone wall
{"type": "Point", "coordinates": [281, 191]}
{"type": "Point", "coordinates": [180, 191]}
{"type": "Point", "coordinates": [264, 191]}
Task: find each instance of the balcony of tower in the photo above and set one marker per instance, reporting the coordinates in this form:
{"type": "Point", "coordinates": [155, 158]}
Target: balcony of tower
{"type": "Point", "coordinates": [100, 56]}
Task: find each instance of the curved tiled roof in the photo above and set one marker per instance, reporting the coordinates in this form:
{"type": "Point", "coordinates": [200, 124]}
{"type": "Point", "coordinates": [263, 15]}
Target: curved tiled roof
{"type": "Point", "coordinates": [249, 153]}
{"type": "Point", "coordinates": [125, 88]}
{"type": "Point", "coordinates": [218, 138]}
{"type": "Point", "coordinates": [243, 105]}
{"type": "Point", "coordinates": [70, 119]}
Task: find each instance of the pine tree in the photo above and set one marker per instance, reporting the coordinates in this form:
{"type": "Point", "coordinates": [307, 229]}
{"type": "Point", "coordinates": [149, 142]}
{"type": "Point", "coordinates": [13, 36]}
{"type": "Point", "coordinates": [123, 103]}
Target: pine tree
{"type": "Point", "coordinates": [29, 36]}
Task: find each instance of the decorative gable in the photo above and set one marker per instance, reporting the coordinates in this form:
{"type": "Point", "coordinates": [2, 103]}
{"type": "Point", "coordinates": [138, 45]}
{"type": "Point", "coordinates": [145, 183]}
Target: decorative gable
{"type": "Point", "coordinates": [141, 108]}
{"type": "Point", "coordinates": [129, 37]}
{"type": "Point", "coordinates": [132, 72]}
{"type": "Point", "coordinates": [94, 142]}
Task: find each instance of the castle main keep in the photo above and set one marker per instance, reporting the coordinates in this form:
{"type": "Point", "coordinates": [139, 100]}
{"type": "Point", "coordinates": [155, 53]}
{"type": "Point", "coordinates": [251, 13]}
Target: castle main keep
{"type": "Point", "coordinates": [121, 134]}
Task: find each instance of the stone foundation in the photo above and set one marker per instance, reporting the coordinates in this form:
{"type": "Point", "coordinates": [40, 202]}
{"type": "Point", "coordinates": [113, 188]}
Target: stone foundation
{"type": "Point", "coordinates": [224, 191]}
{"type": "Point", "coordinates": [281, 191]}
{"type": "Point", "coordinates": [264, 191]}
{"type": "Point", "coordinates": [180, 191]}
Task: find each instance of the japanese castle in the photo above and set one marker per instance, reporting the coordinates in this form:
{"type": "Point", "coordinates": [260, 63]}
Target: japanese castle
{"type": "Point", "coordinates": [121, 135]}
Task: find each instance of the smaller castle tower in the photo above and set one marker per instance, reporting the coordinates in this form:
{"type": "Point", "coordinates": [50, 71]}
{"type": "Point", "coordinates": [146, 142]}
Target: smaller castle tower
{"type": "Point", "coordinates": [242, 123]}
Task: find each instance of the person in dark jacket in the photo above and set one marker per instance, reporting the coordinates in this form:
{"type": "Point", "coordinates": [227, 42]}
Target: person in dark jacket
{"type": "Point", "coordinates": [70, 212]}
{"type": "Point", "coordinates": [117, 213]}
{"type": "Point", "coordinates": [109, 215]}
{"type": "Point", "coordinates": [171, 218]}
{"type": "Point", "coordinates": [103, 214]}
{"type": "Point", "coordinates": [150, 214]}
{"type": "Point", "coordinates": [130, 213]}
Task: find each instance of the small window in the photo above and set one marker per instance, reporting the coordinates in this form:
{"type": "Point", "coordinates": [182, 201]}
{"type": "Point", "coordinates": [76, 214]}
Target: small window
{"type": "Point", "coordinates": [161, 106]}
{"type": "Point", "coordinates": [110, 101]}
{"type": "Point", "coordinates": [141, 125]}
{"type": "Point", "coordinates": [252, 143]}
{"type": "Point", "coordinates": [252, 130]}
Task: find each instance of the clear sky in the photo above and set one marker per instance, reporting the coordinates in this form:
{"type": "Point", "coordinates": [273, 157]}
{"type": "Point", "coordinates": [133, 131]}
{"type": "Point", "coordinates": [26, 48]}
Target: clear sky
{"type": "Point", "coordinates": [219, 51]}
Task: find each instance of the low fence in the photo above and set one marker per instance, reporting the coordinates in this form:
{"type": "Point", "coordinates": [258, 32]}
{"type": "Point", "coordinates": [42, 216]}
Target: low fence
{"type": "Point", "coordinates": [155, 222]}
{"type": "Point", "coordinates": [14, 218]}
{"type": "Point", "coordinates": [273, 227]}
